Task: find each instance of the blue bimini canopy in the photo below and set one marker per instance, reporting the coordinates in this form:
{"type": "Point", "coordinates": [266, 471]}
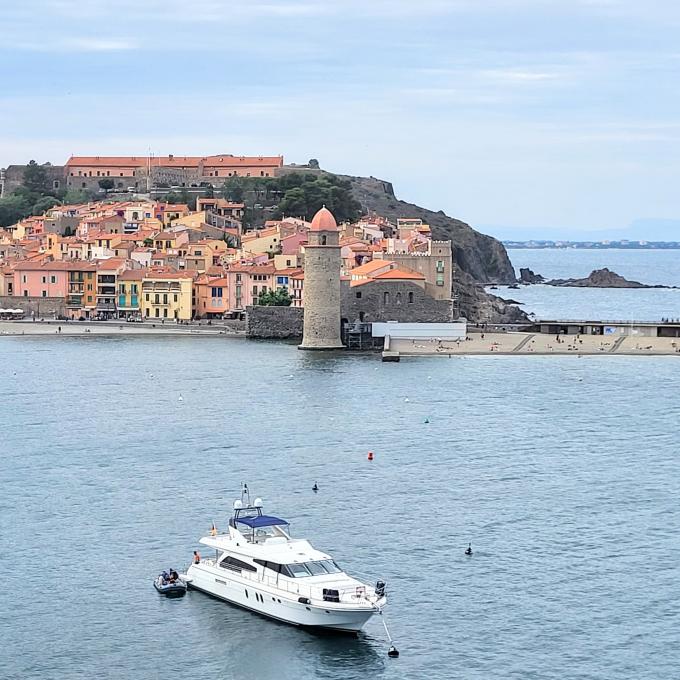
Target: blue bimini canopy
{"type": "Point", "coordinates": [261, 521]}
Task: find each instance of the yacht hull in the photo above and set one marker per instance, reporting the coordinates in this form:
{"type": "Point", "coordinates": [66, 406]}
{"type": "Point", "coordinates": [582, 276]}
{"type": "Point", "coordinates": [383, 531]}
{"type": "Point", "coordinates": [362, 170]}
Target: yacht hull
{"type": "Point", "coordinates": [279, 605]}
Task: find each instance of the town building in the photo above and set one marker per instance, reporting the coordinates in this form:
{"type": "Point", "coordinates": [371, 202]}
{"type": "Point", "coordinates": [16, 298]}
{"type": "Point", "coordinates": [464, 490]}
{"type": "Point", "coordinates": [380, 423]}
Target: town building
{"type": "Point", "coordinates": [167, 295]}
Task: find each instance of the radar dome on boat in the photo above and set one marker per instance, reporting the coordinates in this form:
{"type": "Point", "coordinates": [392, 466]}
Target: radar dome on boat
{"type": "Point", "coordinates": [238, 505]}
{"type": "Point", "coordinates": [257, 503]}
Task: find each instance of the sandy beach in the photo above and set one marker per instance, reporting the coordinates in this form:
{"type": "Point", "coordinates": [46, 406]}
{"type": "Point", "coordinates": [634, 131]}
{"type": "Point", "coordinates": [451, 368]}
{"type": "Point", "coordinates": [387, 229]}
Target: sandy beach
{"type": "Point", "coordinates": [78, 328]}
{"type": "Point", "coordinates": [541, 344]}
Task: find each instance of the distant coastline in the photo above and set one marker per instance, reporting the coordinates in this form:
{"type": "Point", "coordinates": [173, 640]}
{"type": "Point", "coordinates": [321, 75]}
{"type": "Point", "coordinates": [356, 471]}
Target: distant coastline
{"type": "Point", "coordinates": [592, 245]}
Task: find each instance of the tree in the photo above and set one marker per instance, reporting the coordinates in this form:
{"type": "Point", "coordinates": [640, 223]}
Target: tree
{"type": "Point", "coordinates": [43, 204]}
{"type": "Point", "coordinates": [275, 298]}
{"type": "Point", "coordinates": [209, 191]}
{"type": "Point", "coordinates": [107, 184]}
{"type": "Point", "coordinates": [148, 242]}
{"type": "Point", "coordinates": [35, 178]}
{"type": "Point", "coordinates": [233, 189]}
{"type": "Point", "coordinates": [75, 196]}
{"type": "Point", "coordinates": [313, 163]}
{"type": "Point", "coordinates": [12, 209]}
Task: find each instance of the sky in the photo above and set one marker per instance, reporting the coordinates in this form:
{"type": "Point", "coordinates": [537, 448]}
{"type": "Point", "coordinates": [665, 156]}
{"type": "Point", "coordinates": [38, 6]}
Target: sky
{"type": "Point", "coordinates": [525, 118]}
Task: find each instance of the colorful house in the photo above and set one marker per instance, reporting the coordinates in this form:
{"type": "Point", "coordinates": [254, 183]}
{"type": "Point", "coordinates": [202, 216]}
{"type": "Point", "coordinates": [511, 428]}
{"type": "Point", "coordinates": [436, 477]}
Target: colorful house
{"type": "Point", "coordinates": [211, 297]}
{"type": "Point", "coordinates": [166, 295]}
{"type": "Point", "coordinates": [130, 293]}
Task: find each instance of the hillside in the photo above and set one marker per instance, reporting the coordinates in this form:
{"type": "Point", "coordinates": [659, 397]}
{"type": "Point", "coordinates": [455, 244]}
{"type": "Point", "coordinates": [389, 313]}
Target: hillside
{"type": "Point", "coordinates": [478, 259]}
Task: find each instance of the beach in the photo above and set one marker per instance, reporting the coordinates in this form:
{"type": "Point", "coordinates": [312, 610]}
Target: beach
{"type": "Point", "coordinates": [539, 344]}
{"type": "Point", "coordinates": [107, 328]}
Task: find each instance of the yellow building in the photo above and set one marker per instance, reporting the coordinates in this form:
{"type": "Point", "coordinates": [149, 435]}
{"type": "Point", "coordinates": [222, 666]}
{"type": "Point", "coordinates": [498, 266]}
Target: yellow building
{"type": "Point", "coordinates": [262, 241]}
{"type": "Point", "coordinates": [166, 295]}
{"type": "Point", "coordinates": [129, 293]}
{"type": "Point", "coordinates": [287, 261]}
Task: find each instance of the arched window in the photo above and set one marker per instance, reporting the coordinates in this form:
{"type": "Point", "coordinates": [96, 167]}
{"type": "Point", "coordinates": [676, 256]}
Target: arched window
{"type": "Point", "coordinates": [410, 297]}
{"type": "Point", "coordinates": [386, 298]}
{"type": "Point", "coordinates": [398, 298]}
{"type": "Point", "coordinates": [323, 240]}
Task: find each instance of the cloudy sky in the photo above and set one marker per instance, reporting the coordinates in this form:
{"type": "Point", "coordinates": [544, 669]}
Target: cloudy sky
{"type": "Point", "coordinates": [522, 117]}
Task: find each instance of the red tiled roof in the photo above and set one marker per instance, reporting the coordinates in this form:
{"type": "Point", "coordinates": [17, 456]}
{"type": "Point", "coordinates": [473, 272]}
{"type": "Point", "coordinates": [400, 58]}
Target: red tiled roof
{"type": "Point", "coordinates": [173, 161]}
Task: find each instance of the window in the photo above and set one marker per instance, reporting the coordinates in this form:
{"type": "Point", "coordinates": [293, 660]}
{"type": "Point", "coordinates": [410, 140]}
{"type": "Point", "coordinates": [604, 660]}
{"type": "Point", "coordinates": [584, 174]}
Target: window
{"type": "Point", "coordinates": [410, 297]}
{"type": "Point", "coordinates": [238, 277]}
{"type": "Point", "coordinates": [440, 266]}
{"type": "Point", "coordinates": [254, 290]}
{"type": "Point", "coordinates": [44, 293]}
{"type": "Point", "coordinates": [165, 298]}
{"type": "Point", "coordinates": [358, 295]}
{"type": "Point", "coordinates": [440, 279]}
{"type": "Point", "coordinates": [386, 298]}
{"type": "Point", "coordinates": [23, 279]}
{"type": "Point", "coordinates": [89, 286]}
{"type": "Point", "coordinates": [216, 292]}
{"type": "Point", "coordinates": [158, 312]}
{"type": "Point", "coordinates": [175, 297]}
{"type": "Point", "coordinates": [397, 298]}
{"type": "Point", "coordinates": [25, 293]}
{"type": "Point", "coordinates": [298, 570]}
{"type": "Point", "coordinates": [232, 563]}
{"type": "Point", "coordinates": [147, 297]}
{"type": "Point", "coordinates": [157, 299]}
{"type": "Point", "coordinates": [133, 288]}
{"type": "Point", "coordinates": [53, 279]}
{"type": "Point", "coordinates": [165, 313]}
{"type": "Point", "coordinates": [121, 288]}
{"type": "Point", "coordinates": [323, 240]}
{"type": "Point", "coordinates": [44, 279]}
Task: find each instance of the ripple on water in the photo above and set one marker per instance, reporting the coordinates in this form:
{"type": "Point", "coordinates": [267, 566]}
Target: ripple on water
{"type": "Point", "coordinates": [567, 490]}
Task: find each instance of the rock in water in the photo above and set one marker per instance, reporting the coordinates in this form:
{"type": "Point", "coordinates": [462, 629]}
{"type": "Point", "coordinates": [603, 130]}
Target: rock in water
{"type": "Point", "coordinates": [528, 276]}
{"type": "Point", "coordinates": [601, 278]}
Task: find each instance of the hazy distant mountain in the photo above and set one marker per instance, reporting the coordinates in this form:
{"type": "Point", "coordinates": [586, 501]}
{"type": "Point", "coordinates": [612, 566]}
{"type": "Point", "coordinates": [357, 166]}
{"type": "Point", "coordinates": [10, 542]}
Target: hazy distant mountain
{"type": "Point", "coordinates": [643, 229]}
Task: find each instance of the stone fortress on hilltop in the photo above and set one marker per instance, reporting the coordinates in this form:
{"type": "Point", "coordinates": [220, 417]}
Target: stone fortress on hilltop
{"type": "Point", "coordinates": [141, 173]}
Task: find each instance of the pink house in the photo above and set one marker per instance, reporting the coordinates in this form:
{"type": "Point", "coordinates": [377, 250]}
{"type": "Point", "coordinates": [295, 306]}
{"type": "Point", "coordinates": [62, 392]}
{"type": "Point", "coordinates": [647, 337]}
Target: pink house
{"type": "Point", "coordinates": [246, 282]}
{"type": "Point", "coordinates": [290, 245]}
{"type": "Point", "coordinates": [34, 279]}
{"type": "Point", "coordinates": [211, 297]}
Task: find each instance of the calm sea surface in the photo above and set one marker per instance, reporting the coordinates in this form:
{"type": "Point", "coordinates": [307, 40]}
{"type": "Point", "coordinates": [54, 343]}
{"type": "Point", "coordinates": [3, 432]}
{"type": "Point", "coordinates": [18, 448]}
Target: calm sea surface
{"type": "Point", "coordinates": [647, 266]}
{"type": "Point", "coordinates": [562, 472]}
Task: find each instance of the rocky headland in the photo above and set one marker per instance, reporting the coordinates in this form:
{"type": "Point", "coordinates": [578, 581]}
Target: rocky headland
{"type": "Point", "coordinates": [478, 259]}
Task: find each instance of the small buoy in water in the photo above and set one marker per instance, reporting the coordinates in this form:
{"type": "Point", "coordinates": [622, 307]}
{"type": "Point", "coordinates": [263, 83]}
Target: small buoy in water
{"type": "Point", "coordinates": [427, 420]}
{"type": "Point", "coordinates": [370, 455]}
{"type": "Point", "coordinates": [393, 652]}
{"type": "Point", "coordinates": [181, 398]}
{"type": "Point", "coordinates": [468, 550]}
{"type": "Point", "coordinates": [315, 488]}
{"type": "Point", "coordinates": [407, 400]}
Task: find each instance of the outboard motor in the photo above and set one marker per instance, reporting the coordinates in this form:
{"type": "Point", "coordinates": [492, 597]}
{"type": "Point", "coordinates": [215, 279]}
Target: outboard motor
{"type": "Point", "coordinates": [380, 588]}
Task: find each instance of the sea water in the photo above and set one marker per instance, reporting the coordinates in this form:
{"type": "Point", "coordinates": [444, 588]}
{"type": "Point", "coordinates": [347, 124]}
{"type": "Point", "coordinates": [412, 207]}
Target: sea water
{"type": "Point", "coordinates": [562, 473]}
{"type": "Point", "coordinates": [654, 267]}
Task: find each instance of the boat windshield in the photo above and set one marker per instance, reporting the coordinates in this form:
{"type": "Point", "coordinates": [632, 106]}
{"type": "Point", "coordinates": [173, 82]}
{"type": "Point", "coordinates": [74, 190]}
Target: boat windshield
{"type": "Point", "coordinates": [320, 568]}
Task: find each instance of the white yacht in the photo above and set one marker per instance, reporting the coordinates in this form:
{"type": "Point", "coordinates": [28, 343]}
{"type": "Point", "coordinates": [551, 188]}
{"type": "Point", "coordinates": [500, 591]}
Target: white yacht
{"type": "Point", "coordinates": [257, 565]}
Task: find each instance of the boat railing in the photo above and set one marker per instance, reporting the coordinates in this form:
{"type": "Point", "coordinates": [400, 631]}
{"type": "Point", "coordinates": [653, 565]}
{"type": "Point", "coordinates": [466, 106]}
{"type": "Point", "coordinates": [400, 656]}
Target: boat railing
{"type": "Point", "coordinates": [353, 595]}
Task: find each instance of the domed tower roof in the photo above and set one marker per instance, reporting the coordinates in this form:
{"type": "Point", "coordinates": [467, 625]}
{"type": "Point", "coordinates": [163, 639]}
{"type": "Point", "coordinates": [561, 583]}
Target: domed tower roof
{"type": "Point", "coordinates": [324, 221]}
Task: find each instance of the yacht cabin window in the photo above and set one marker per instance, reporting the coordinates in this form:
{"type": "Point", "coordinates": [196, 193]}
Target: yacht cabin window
{"type": "Point", "coordinates": [236, 565]}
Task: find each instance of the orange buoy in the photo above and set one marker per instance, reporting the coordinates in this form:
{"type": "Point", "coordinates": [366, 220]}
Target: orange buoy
{"type": "Point", "coordinates": [370, 455]}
